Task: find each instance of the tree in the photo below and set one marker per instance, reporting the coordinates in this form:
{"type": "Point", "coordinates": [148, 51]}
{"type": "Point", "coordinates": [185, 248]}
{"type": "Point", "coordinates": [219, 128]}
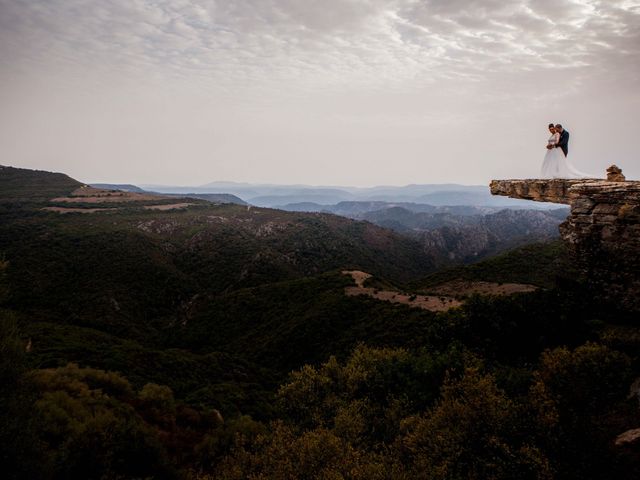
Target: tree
{"type": "Point", "coordinates": [90, 430]}
{"type": "Point", "coordinates": [472, 433]}
{"type": "Point", "coordinates": [284, 454]}
{"type": "Point", "coordinates": [573, 394]}
{"type": "Point", "coordinates": [364, 399]}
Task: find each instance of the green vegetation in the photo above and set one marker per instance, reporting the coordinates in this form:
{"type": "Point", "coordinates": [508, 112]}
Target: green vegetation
{"type": "Point", "coordinates": [312, 314]}
{"type": "Point", "coordinates": [217, 342]}
{"type": "Point", "coordinates": [33, 185]}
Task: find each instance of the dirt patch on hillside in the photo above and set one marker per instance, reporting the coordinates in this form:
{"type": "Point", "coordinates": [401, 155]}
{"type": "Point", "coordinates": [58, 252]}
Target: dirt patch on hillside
{"type": "Point", "coordinates": [87, 194]}
{"type": "Point", "coordinates": [426, 302]}
{"type": "Point", "coordinates": [91, 195]}
{"type": "Point", "coordinates": [358, 276]}
{"type": "Point", "coordinates": [170, 206]}
{"type": "Point", "coordinates": [461, 287]}
{"type": "Point", "coordinates": [78, 210]}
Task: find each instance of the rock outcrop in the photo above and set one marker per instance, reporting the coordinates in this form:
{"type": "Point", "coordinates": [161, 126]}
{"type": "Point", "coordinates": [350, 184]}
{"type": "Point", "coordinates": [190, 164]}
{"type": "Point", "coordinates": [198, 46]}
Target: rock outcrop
{"type": "Point", "coordinates": [602, 231]}
{"type": "Point", "coordinates": [554, 191]}
{"type": "Point", "coordinates": [630, 436]}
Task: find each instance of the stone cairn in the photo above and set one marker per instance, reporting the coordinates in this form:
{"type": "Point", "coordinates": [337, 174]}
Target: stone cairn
{"type": "Point", "coordinates": [614, 174]}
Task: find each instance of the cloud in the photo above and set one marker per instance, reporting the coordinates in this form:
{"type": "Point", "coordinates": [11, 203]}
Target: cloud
{"type": "Point", "coordinates": [368, 65]}
{"type": "Point", "coordinates": [320, 42]}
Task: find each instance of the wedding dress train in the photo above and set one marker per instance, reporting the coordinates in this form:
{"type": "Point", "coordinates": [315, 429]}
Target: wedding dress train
{"type": "Point", "coordinates": [556, 165]}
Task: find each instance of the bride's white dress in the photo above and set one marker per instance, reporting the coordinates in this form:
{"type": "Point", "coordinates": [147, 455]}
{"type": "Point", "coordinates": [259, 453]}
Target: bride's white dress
{"type": "Point", "coordinates": [556, 165]}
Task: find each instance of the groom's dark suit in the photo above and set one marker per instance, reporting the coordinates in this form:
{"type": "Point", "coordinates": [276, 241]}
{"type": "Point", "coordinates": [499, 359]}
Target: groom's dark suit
{"type": "Point", "coordinates": [563, 142]}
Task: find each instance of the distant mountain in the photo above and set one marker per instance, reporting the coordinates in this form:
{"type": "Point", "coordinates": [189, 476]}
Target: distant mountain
{"type": "Point", "coordinates": [359, 209]}
{"type": "Point", "coordinates": [261, 195]}
{"type": "Point", "coordinates": [481, 197]}
{"type": "Point", "coordinates": [274, 196]}
{"type": "Point", "coordinates": [211, 197]}
{"type": "Point", "coordinates": [436, 195]}
{"type": "Point", "coordinates": [118, 186]}
{"type": "Point", "coordinates": [304, 207]}
{"type": "Point", "coordinates": [311, 196]}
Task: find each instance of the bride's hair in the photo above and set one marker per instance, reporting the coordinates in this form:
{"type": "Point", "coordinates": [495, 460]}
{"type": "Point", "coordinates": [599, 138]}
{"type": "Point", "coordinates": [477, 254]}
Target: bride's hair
{"type": "Point", "coordinates": [551, 125]}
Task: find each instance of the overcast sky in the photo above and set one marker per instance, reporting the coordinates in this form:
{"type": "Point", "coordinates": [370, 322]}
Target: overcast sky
{"type": "Point", "coordinates": [339, 92]}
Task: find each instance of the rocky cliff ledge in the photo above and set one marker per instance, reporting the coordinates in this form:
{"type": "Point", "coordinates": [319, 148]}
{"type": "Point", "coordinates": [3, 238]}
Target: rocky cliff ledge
{"type": "Point", "coordinates": [602, 231]}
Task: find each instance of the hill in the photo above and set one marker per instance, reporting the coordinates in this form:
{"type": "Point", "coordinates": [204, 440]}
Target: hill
{"type": "Point", "coordinates": [19, 184]}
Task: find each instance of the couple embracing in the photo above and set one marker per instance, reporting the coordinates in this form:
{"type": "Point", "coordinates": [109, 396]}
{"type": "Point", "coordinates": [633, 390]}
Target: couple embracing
{"type": "Point", "coordinates": [556, 164]}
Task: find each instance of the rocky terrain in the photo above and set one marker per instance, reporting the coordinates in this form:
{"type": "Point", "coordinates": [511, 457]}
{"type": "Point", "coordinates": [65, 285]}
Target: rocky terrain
{"type": "Point", "coordinates": [602, 230]}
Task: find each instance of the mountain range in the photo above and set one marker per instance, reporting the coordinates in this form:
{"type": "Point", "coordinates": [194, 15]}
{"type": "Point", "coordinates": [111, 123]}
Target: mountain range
{"type": "Point", "coordinates": [265, 195]}
{"type": "Point", "coordinates": [461, 224]}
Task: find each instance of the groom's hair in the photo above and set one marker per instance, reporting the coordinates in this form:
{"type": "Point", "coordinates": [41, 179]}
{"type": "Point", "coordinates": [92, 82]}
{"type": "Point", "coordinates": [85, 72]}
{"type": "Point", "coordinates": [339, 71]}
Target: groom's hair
{"type": "Point", "coordinates": [558, 126]}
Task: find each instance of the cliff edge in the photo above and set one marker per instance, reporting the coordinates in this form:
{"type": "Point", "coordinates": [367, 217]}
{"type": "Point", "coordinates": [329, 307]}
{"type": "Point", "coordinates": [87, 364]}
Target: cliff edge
{"type": "Point", "coordinates": [602, 230]}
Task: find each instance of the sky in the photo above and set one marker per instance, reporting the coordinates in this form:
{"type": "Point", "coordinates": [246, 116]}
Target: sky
{"type": "Point", "coordinates": [321, 92]}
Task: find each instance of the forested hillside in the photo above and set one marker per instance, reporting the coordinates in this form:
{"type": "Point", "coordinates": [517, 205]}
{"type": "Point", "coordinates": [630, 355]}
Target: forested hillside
{"type": "Point", "coordinates": [216, 341]}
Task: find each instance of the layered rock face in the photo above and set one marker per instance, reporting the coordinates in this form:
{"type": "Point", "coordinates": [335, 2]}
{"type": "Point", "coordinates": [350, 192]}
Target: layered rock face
{"type": "Point", "coordinates": [602, 231]}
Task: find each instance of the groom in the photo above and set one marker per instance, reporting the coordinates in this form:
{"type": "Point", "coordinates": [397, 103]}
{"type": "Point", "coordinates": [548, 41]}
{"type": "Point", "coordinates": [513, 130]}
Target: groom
{"type": "Point", "coordinates": [563, 143]}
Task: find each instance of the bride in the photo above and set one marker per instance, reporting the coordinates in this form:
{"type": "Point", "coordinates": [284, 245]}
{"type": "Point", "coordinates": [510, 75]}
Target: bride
{"type": "Point", "coordinates": [556, 164]}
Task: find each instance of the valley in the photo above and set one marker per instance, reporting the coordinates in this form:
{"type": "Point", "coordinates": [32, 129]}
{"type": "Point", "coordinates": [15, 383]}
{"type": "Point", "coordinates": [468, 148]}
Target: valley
{"type": "Point", "coordinates": [204, 336]}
